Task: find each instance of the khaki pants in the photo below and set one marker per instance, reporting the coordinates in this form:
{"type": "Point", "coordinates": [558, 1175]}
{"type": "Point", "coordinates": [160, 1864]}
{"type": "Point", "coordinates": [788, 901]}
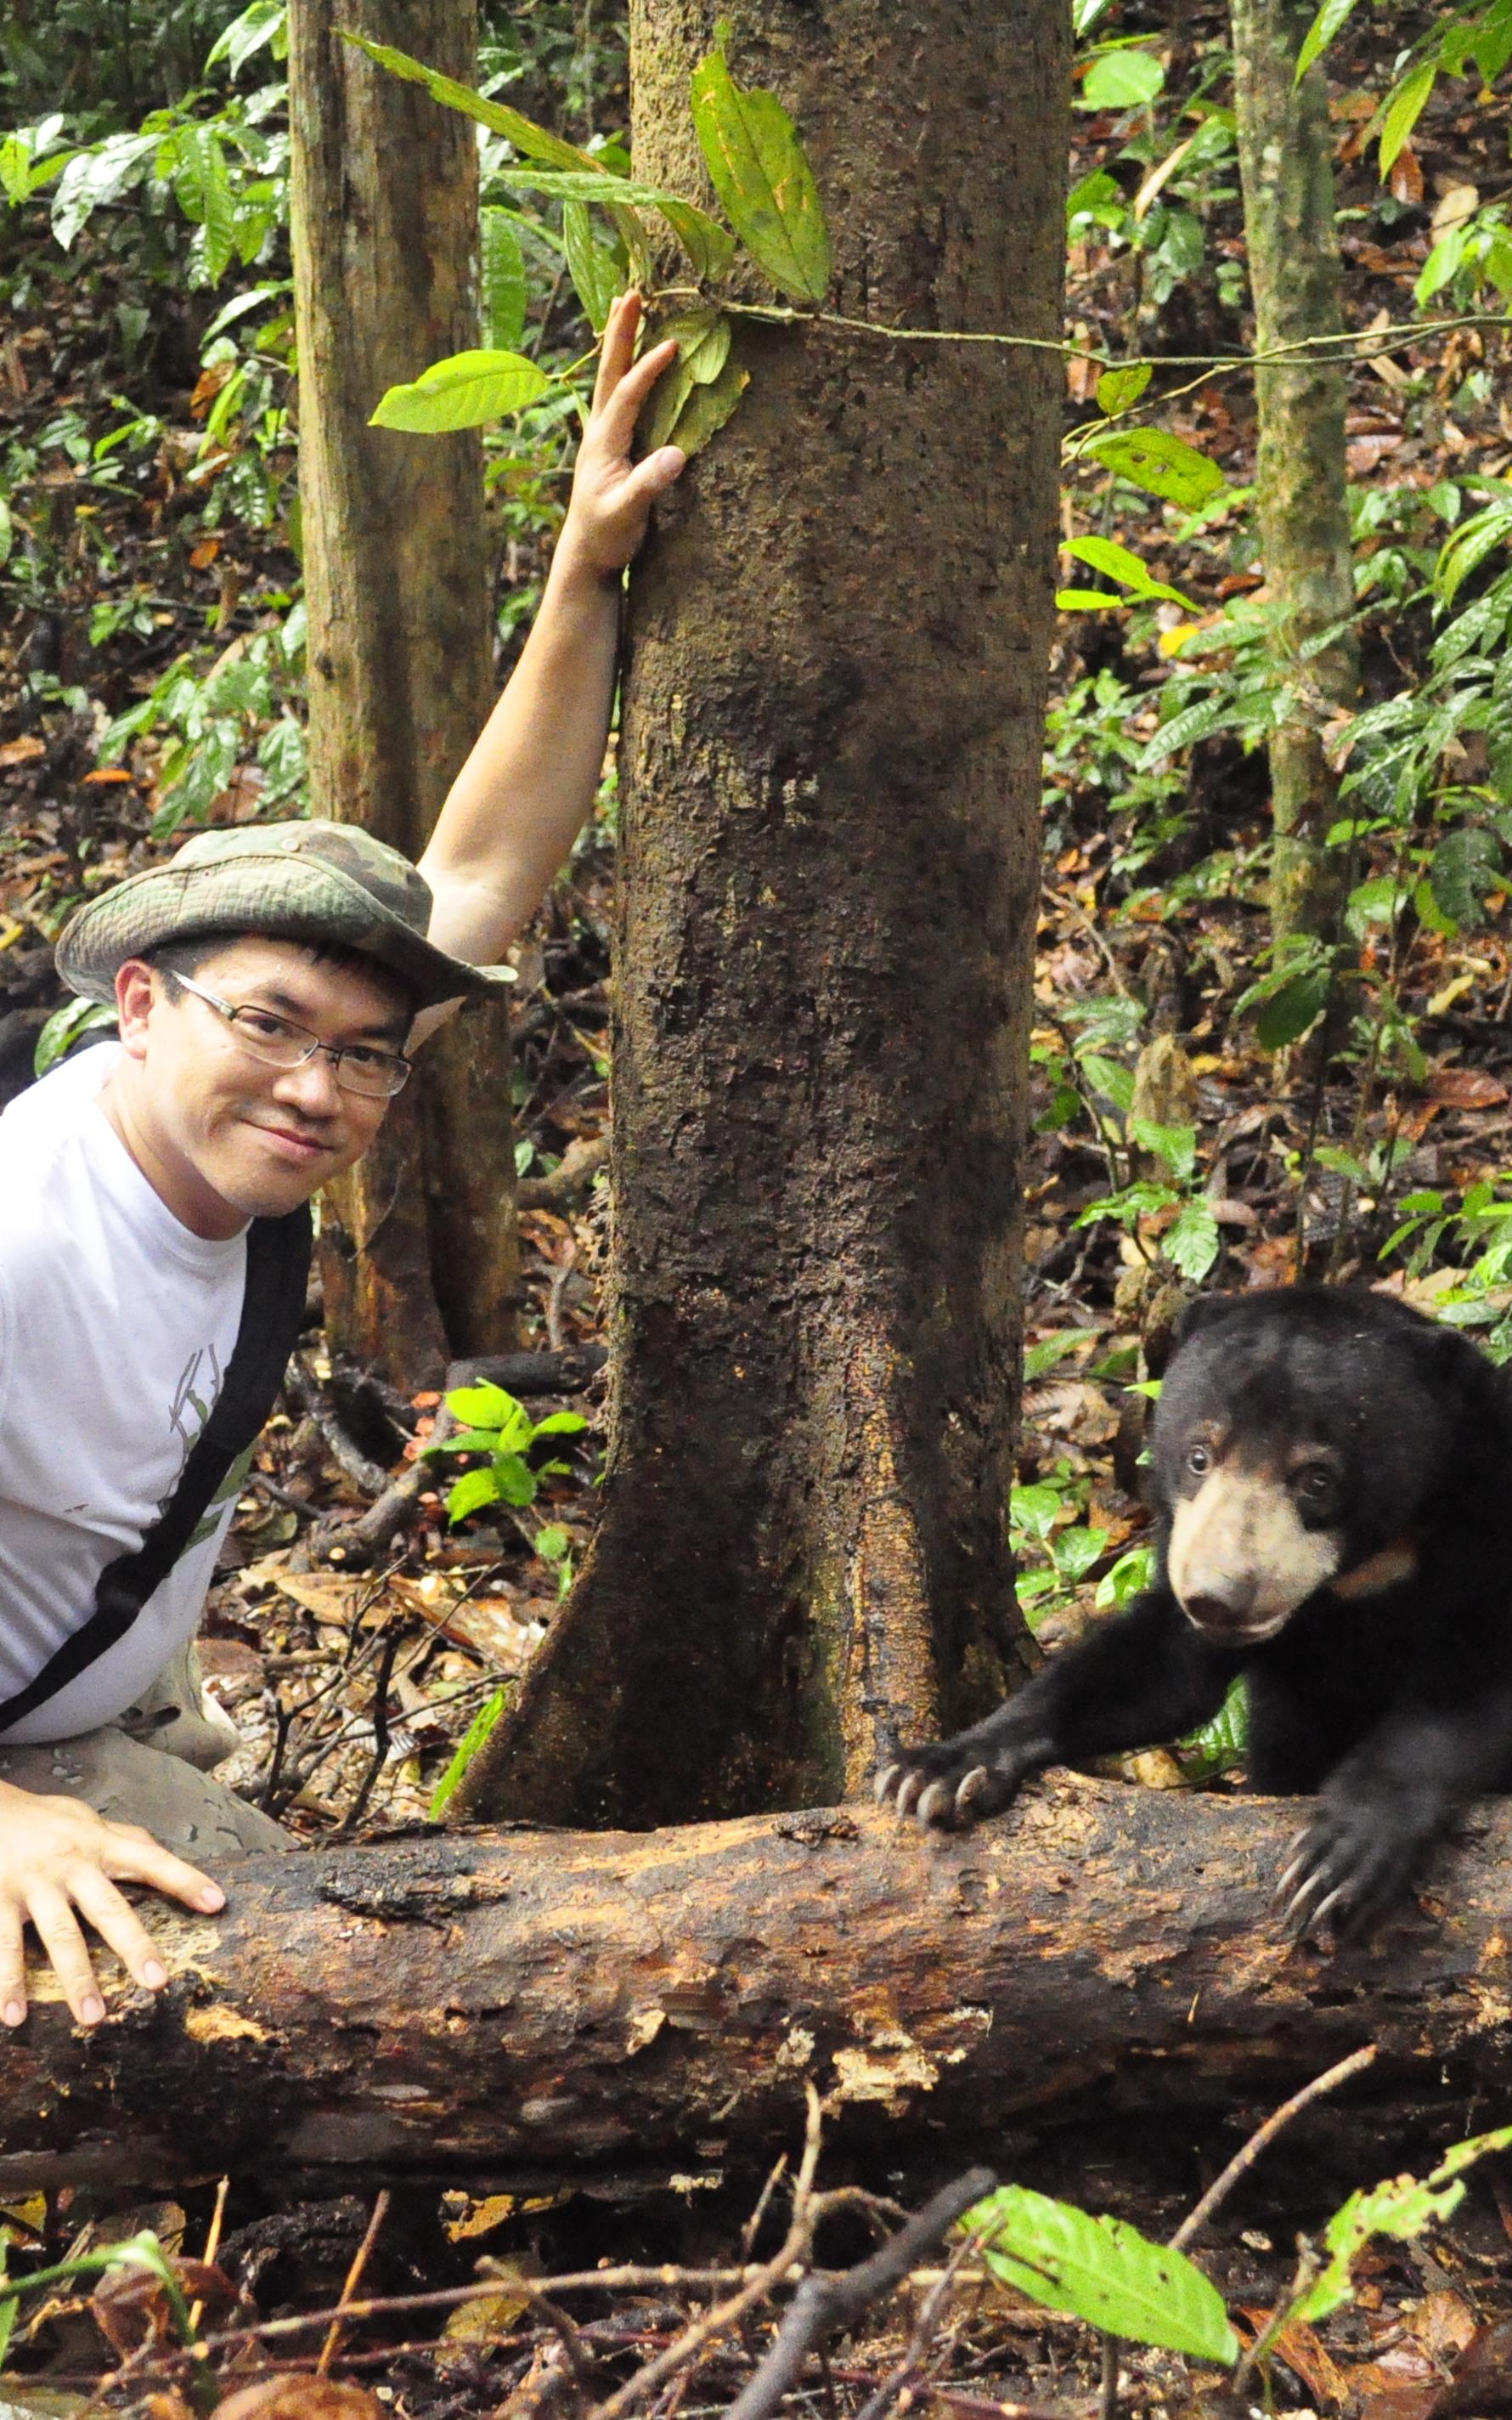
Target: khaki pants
{"type": "Point", "coordinates": [152, 1766]}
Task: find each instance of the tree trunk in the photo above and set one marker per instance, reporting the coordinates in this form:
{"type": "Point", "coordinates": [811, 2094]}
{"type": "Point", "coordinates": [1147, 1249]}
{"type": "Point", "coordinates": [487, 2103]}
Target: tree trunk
{"type": "Point", "coordinates": [1286, 168]}
{"type": "Point", "coordinates": [829, 761]}
{"type": "Point", "coordinates": [418, 1246]}
{"type": "Point", "coordinates": [520, 2004]}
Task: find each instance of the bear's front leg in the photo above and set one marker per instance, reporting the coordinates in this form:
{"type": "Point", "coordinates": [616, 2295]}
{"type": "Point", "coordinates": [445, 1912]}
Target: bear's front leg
{"type": "Point", "coordinates": [1137, 1681]}
{"type": "Point", "coordinates": [1383, 1808]}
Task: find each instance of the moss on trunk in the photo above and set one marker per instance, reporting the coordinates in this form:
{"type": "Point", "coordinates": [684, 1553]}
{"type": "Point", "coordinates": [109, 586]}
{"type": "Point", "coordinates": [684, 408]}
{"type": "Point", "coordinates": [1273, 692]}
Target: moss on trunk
{"type": "Point", "coordinates": [1285, 162]}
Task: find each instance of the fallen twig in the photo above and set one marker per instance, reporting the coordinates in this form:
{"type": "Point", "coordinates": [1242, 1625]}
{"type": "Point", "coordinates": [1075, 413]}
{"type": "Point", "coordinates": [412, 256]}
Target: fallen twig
{"type": "Point", "coordinates": [1263, 2136]}
{"type": "Point", "coordinates": [350, 2284]}
{"type": "Point", "coordinates": [826, 2303]}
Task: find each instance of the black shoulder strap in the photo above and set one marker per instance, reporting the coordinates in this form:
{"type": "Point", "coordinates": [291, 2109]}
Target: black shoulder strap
{"type": "Point", "coordinates": [278, 1269]}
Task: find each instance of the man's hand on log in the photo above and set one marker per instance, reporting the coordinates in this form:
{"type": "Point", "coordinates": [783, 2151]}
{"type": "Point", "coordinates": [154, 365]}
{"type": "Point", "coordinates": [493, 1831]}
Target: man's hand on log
{"type": "Point", "coordinates": [58, 1857]}
{"type": "Point", "coordinates": [612, 495]}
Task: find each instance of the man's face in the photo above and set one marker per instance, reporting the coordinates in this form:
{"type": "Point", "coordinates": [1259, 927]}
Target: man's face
{"type": "Point", "coordinates": [221, 1135]}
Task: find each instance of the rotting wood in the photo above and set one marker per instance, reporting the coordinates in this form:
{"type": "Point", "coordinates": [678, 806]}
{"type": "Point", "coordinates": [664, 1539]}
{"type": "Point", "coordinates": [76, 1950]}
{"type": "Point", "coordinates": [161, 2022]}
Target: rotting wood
{"type": "Point", "coordinates": [514, 2002]}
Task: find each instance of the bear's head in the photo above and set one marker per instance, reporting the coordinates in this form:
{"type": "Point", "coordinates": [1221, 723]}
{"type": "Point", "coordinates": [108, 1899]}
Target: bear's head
{"type": "Point", "coordinates": [1299, 1436]}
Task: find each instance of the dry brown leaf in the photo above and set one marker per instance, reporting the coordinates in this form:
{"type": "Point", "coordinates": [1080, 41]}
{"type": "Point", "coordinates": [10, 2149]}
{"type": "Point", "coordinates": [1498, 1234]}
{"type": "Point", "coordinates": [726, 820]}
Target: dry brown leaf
{"type": "Point", "coordinates": [1466, 1088]}
{"type": "Point", "coordinates": [1452, 206]}
{"type": "Point", "coordinates": [302, 2398]}
{"type": "Point", "coordinates": [330, 1596]}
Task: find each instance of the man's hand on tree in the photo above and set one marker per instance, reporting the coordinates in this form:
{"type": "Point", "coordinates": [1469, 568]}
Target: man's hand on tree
{"type": "Point", "coordinates": [58, 1857]}
{"type": "Point", "coordinates": [612, 495]}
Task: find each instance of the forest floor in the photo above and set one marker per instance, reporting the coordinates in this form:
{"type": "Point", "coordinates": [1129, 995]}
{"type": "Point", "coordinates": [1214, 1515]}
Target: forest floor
{"type": "Point", "coordinates": [352, 1686]}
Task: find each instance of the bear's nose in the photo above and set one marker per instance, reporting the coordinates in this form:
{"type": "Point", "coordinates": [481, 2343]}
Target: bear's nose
{"type": "Point", "coordinates": [1221, 1613]}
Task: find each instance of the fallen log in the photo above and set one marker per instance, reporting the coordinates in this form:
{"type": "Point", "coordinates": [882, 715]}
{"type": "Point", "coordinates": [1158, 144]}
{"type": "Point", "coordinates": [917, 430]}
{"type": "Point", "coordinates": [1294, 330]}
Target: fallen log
{"type": "Point", "coordinates": [514, 2003]}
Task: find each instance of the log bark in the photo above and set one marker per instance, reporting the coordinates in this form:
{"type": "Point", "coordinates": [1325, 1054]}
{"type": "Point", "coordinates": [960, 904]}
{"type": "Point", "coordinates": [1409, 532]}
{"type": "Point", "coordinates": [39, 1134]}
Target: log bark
{"type": "Point", "coordinates": [514, 2003]}
{"type": "Point", "coordinates": [418, 1248]}
{"type": "Point", "coordinates": [1286, 162]}
{"type": "Point", "coordinates": [830, 768]}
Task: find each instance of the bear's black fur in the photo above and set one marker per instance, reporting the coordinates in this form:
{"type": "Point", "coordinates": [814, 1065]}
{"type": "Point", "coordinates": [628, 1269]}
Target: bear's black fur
{"type": "Point", "coordinates": [1331, 1479]}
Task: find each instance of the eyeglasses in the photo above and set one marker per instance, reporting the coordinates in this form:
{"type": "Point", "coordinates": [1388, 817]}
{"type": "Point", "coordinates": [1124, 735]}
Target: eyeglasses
{"type": "Point", "coordinates": [377, 1075]}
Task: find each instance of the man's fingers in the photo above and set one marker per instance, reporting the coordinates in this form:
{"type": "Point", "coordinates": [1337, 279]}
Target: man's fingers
{"type": "Point", "coordinates": [655, 475]}
{"type": "Point", "coordinates": [58, 1931]}
{"type": "Point", "coordinates": [117, 1922]}
{"type": "Point", "coordinates": [615, 415]}
{"type": "Point", "coordinates": [12, 1966]}
{"type": "Point", "coordinates": [617, 347]}
{"type": "Point", "coordinates": [143, 1859]}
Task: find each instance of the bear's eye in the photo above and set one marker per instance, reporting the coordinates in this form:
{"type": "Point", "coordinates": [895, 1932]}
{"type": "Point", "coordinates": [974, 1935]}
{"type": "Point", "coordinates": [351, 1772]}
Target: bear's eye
{"type": "Point", "coordinates": [1313, 1487]}
{"type": "Point", "coordinates": [1199, 1460]}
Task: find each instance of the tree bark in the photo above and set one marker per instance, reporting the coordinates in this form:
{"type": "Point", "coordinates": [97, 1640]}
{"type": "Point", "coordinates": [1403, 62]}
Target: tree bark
{"type": "Point", "coordinates": [1287, 169]}
{"type": "Point", "coordinates": [521, 2003]}
{"type": "Point", "coordinates": [418, 1247]}
{"type": "Point", "coordinates": [829, 765]}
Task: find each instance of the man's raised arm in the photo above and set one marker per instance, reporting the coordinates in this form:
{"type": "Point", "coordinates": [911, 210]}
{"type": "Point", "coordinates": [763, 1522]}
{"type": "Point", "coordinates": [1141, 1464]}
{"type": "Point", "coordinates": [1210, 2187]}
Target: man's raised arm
{"type": "Point", "coordinates": [525, 791]}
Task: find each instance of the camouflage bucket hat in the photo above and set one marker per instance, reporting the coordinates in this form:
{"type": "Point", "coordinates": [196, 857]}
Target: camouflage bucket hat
{"type": "Point", "coordinates": [311, 881]}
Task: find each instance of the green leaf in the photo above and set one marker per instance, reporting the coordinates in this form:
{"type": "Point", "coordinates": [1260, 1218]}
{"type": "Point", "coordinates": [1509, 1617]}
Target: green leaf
{"type": "Point", "coordinates": [484, 1722]}
{"type": "Point", "coordinates": [526, 136]}
{"type": "Point", "coordinates": [475, 1489]}
{"type": "Point", "coordinates": [1104, 2270]}
{"type": "Point", "coordinates": [1121, 79]}
{"type": "Point", "coordinates": [1130, 1577]}
{"type": "Point", "coordinates": [7, 2310]}
{"type": "Point", "coordinates": [1288, 1013]}
{"type": "Point", "coordinates": [1461, 2156]}
{"type": "Point", "coordinates": [15, 172]}
{"type": "Point", "coordinates": [64, 1028]}
{"type": "Point", "coordinates": [1074, 1552]}
{"type": "Point", "coordinates": [1465, 866]}
{"type": "Point", "coordinates": [1105, 555]}
{"type": "Point", "coordinates": [1404, 109]}
{"type": "Point", "coordinates": [1107, 1075]}
{"type": "Point", "coordinates": [702, 341]}
{"type": "Point", "coordinates": [466, 391]}
{"type": "Point", "coordinates": [709, 246]}
{"type": "Point", "coordinates": [513, 1479]}
{"type": "Point", "coordinates": [1217, 1746]}
{"type": "Point", "coordinates": [8, 531]}
{"type": "Point", "coordinates": [1330, 17]}
{"type": "Point", "coordinates": [1402, 2207]}
{"type": "Point", "coordinates": [1041, 1359]}
{"type": "Point", "coordinates": [579, 185]}
{"type": "Point", "coordinates": [559, 1424]}
{"type": "Point", "coordinates": [1089, 600]}
{"type": "Point", "coordinates": [1176, 1145]}
{"type": "Point", "coordinates": [501, 281]}
{"type": "Point", "coordinates": [708, 407]}
{"type": "Point", "coordinates": [484, 1407]}
{"type": "Point", "coordinates": [1160, 463]}
{"type": "Point", "coordinates": [553, 1543]}
{"type": "Point", "coordinates": [265, 22]}
{"type": "Point", "coordinates": [102, 173]}
{"type": "Point", "coordinates": [1035, 1511]}
{"type": "Point", "coordinates": [1467, 548]}
{"type": "Point", "coordinates": [1191, 1241]}
{"type": "Point", "coordinates": [460, 1441]}
{"type": "Point", "coordinates": [591, 265]}
{"type": "Point", "coordinates": [759, 171]}
{"type": "Point", "coordinates": [1118, 389]}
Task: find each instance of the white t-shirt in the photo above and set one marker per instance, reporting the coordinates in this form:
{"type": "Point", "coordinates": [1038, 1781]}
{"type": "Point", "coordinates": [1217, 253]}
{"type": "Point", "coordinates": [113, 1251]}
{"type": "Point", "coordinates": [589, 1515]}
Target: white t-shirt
{"type": "Point", "coordinates": [115, 1327]}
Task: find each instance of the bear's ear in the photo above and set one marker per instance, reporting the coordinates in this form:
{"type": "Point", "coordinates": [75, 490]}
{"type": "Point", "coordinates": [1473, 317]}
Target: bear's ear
{"type": "Point", "coordinates": [1207, 1312]}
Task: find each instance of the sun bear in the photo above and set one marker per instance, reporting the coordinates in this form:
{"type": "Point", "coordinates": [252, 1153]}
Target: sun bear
{"type": "Point", "coordinates": [1331, 1483]}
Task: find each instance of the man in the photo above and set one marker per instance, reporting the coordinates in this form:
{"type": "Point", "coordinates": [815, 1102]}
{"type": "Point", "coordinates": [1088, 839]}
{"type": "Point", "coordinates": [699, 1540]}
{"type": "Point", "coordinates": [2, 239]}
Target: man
{"type": "Point", "coordinates": [271, 985]}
